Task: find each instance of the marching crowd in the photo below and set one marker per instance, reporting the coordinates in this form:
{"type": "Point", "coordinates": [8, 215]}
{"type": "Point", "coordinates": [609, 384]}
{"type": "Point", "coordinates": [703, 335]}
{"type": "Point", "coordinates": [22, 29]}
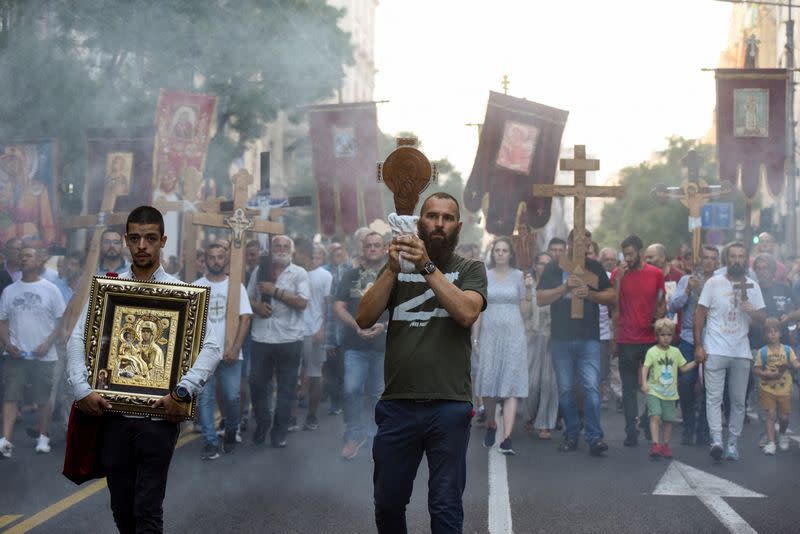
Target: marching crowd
{"type": "Point", "coordinates": [298, 343]}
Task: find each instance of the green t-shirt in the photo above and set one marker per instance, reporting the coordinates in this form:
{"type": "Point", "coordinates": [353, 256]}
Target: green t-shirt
{"type": "Point", "coordinates": [662, 378]}
{"type": "Point", "coordinates": [427, 352]}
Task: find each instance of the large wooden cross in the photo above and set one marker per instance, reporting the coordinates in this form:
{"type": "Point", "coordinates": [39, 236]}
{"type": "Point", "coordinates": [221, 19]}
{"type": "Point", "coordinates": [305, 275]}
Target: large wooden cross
{"type": "Point", "coordinates": [580, 191]}
{"type": "Point", "coordinates": [238, 222]}
{"type": "Point", "coordinates": [187, 207]}
{"type": "Point", "coordinates": [742, 288]}
{"type": "Point", "coordinates": [99, 221]}
{"type": "Point", "coordinates": [693, 193]}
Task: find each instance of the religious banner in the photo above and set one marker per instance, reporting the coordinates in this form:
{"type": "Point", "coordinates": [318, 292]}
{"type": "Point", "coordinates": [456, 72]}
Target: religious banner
{"type": "Point", "coordinates": [124, 155]}
{"type": "Point", "coordinates": [519, 146]}
{"type": "Point", "coordinates": [185, 122]}
{"type": "Point", "coordinates": [751, 128]}
{"type": "Point", "coordinates": [344, 149]}
{"type": "Point", "coordinates": [29, 192]}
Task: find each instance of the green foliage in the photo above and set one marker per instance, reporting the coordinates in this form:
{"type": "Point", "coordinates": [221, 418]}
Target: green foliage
{"type": "Point", "coordinates": [656, 222]}
{"type": "Point", "coordinates": [73, 64]}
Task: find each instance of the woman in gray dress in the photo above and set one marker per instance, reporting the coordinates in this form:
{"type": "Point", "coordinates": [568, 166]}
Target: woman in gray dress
{"type": "Point", "coordinates": [541, 407]}
{"type": "Point", "coordinates": [502, 347]}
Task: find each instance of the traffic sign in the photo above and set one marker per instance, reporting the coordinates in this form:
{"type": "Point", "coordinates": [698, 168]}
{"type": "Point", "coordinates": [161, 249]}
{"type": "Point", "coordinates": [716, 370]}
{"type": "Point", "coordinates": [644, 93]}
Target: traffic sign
{"type": "Point", "coordinates": [717, 216]}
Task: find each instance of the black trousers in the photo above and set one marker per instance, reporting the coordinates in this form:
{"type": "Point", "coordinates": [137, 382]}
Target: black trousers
{"type": "Point", "coordinates": [136, 453]}
{"type": "Point", "coordinates": [631, 356]}
{"type": "Point", "coordinates": [282, 361]}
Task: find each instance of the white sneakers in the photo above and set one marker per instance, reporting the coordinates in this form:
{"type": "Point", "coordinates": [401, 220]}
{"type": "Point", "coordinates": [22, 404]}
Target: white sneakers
{"type": "Point", "coordinates": [769, 448]}
{"type": "Point", "coordinates": [42, 444]}
{"type": "Point", "coordinates": [5, 448]}
{"type": "Point", "coordinates": [783, 442]}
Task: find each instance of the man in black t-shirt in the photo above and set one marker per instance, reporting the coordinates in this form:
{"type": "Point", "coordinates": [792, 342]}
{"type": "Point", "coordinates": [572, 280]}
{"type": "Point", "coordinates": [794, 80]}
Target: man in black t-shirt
{"type": "Point", "coordinates": [779, 301]}
{"type": "Point", "coordinates": [426, 405]}
{"type": "Point", "coordinates": [575, 346]}
{"type": "Point", "coordinates": [363, 347]}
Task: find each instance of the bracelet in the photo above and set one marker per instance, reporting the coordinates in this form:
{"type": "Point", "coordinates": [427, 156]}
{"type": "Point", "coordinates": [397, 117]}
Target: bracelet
{"type": "Point", "coordinates": [283, 293]}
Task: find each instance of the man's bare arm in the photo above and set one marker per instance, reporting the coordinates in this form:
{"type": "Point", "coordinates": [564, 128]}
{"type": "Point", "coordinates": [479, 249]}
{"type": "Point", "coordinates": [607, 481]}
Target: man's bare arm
{"type": "Point", "coordinates": [375, 300]}
{"type": "Point", "coordinates": [464, 306]}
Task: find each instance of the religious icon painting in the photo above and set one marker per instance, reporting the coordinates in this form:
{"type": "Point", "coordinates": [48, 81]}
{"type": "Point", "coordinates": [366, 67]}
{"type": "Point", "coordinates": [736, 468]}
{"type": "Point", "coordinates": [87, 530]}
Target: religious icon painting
{"type": "Point", "coordinates": [29, 199]}
{"type": "Point", "coordinates": [141, 338]}
{"type": "Point", "coordinates": [518, 146]}
{"type": "Point", "coordinates": [751, 112]}
{"type": "Point", "coordinates": [118, 170]}
{"type": "Point", "coordinates": [344, 142]}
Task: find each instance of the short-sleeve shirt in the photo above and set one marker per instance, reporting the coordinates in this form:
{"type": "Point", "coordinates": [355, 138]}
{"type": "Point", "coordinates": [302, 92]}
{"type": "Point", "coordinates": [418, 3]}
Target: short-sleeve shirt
{"type": "Point", "coordinates": [662, 378]}
{"type": "Point", "coordinates": [562, 326]}
{"type": "Point", "coordinates": [727, 325]}
{"type": "Point", "coordinates": [779, 300]}
{"type": "Point", "coordinates": [352, 287]}
{"type": "Point", "coordinates": [286, 323]}
{"type": "Point", "coordinates": [32, 310]}
{"type": "Point", "coordinates": [218, 306]}
{"type": "Point", "coordinates": [314, 315]}
{"type": "Point", "coordinates": [780, 387]}
{"type": "Point", "coordinates": [427, 352]}
{"type": "Point", "coordinates": [639, 292]}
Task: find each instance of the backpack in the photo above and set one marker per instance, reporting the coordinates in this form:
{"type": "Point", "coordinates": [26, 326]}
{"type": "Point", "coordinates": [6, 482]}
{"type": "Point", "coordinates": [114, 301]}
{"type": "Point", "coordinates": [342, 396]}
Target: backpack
{"type": "Point", "coordinates": [763, 353]}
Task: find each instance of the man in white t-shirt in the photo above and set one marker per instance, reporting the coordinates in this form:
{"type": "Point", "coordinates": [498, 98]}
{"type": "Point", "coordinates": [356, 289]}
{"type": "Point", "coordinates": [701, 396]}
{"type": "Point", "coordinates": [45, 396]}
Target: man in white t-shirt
{"type": "Point", "coordinates": [726, 313]}
{"type": "Point", "coordinates": [30, 311]}
{"type": "Point", "coordinates": [229, 372]}
{"type": "Point", "coordinates": [314, 320]}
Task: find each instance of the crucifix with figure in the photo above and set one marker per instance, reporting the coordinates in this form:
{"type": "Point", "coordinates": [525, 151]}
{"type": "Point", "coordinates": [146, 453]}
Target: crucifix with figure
{"type": "Point", "coordinates": [238, 223]}
{"type": "Point", "coordinates": [693, 193]}
{"type": "Point", "coordinates": [99, 222]}
{"type": "Point", "coordinates": [576, 265]}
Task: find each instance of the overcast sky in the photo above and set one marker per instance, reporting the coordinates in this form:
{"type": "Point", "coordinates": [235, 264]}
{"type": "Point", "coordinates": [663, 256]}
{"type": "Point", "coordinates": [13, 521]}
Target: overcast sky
{"type": "Point", "coordinates": [628, 71]}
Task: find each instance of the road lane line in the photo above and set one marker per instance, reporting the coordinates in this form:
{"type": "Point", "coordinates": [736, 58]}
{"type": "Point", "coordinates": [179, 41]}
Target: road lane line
{"type": "Point", "coordinates": [722, 510]}
{"type": "Point", "coordinates": [499, 501]}
{"type": "Point", "coordinates": [6, 520]}
{"type": "Point", "coordinates": [80, 495]}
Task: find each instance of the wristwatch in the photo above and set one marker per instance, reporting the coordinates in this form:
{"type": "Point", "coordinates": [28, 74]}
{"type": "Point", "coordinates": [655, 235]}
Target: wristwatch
{"type": "Point", "coordinates": [181, 394]}
{"type": "Point", "coordinates": [429, 268]}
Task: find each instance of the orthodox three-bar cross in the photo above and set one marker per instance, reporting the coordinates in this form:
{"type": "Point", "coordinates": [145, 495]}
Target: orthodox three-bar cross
{"type": "Point", "coordinates": [576, 265]}
{"type": "Point", "coordinates": [238, 223]}
{"type": "Point", "coordinates": [693, 193]}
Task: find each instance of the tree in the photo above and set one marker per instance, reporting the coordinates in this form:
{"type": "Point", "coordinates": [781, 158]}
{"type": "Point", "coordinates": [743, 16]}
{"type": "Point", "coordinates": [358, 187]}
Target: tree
{"type": "Point", "coordinates": [638, 213]}
{"type": "Point", "coordinates": [74, 64]}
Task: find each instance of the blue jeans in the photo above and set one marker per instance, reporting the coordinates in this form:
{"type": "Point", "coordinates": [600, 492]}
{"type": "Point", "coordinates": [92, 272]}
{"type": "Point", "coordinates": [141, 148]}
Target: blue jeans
{"type": "Point", "coordinates": [581, 357]}
{"type": "Point", "coordinates": [230, 378]}
{"type": "Point", "coordinates": [363, 375]}
{"type": "Point", "coordinates": [406, 430]}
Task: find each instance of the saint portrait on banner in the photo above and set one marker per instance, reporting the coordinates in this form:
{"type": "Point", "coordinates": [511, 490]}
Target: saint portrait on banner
{"type": "Point", "coordinates": [518, 146]}
{"type": "Point", "coordinates": [28, 213]}
{"type": "Point", "coordinates": [183, 123]}
{"type": "Point", "coordinates": [751, 112]}
{"type": "Point", "coordinates": [118, 170]}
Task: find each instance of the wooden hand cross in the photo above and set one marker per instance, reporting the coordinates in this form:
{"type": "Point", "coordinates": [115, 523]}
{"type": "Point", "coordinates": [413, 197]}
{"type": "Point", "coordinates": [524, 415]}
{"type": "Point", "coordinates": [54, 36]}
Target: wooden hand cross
{"type": "Point", "coordinates": [580, 191]}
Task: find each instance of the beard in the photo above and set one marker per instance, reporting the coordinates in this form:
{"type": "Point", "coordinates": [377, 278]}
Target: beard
{"type": "Point", "coordinates": [215, 270]}
{"type": "Point", "coordinates": [440, 249]}
{"type": "Point", "coordinates": [736, 270]}
{"type": "Point", "coordinates": [281, 259]}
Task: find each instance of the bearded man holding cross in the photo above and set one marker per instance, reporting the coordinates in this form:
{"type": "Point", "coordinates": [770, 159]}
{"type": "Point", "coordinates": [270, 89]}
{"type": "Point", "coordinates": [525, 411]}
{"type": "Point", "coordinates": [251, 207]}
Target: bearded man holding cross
{"type": "Point", "coordinates": [728, 304]}
{"type": "Point", "coordinates": [575, 344]}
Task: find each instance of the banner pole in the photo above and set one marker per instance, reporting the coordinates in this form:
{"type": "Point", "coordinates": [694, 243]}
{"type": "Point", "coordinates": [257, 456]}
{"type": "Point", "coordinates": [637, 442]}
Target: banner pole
{"type": "Point", "coordinates": [791, 186]}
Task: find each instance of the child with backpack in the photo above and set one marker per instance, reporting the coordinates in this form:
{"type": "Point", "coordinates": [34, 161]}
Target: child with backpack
{"type": "Point", "coordinates": [772, 363]}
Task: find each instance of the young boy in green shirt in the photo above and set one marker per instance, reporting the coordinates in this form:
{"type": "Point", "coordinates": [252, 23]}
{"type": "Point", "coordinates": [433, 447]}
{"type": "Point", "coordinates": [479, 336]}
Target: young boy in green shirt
{"type": "Point", "coordinates": [772, 364]}
{"type": "Point", "coordinates": [661, 385]}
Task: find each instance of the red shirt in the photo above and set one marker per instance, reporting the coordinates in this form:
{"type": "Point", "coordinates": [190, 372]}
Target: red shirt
{"type": "Point", "coordinates": [638, 295]}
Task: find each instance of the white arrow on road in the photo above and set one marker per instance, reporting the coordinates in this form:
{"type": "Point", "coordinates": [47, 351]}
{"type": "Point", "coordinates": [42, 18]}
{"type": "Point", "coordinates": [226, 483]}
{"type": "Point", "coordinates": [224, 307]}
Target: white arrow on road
{"type": "Point", "coordinates": [682, 479]}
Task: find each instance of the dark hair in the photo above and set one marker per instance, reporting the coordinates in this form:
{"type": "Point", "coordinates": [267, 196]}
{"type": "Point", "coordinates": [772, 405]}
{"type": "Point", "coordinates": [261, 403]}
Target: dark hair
{"type": "Point", "coordinates": [512, 261]}
{"type": "Point", "coordinates": [252, 243]}
{"type": "Point", "coordinates": [556, 241]}
{"type": "Point", "coordinates": [211, 247]}
{"type": "Point", "coordinates": [710, 248]}
{"type": "Point", "coordinates": [735, 244]}
{"type": "Point", "coordinates": [445, 196]}
{"type": "Point", "coordinates": [75, 255]}
{"type": "Point", "coordinates": [304, 246]}
{"type": "Point", "coordinates": [632, 241]}
{"type": "Point", "coordinates": [145, 215]}
{"type": "Point", "coordinates": [110, 231]}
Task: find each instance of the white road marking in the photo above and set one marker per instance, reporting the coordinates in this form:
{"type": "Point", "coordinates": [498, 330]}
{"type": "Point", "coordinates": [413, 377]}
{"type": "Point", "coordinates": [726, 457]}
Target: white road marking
{"type": "Point", "coordinates": [682, 479]}
{"type": "Point", "coordinates": [499, 502]}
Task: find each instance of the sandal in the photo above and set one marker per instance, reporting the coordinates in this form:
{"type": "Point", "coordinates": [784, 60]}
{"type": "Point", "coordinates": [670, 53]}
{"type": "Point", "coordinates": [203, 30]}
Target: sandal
{"type": "Point", "coordinates": [544, 434]}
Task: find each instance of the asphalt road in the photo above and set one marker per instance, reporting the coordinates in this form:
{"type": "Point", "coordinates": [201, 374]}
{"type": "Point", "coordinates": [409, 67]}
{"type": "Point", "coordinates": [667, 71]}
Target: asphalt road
{"type": "Point", "coordinates": [307, 488]}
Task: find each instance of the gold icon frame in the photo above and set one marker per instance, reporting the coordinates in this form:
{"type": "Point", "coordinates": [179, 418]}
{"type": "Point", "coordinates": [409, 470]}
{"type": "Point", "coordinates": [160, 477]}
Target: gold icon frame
{"type": "Point", "coordinates": [141, 339]}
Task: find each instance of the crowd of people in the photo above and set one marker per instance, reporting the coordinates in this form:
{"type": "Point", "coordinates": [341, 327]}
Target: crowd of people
{"type": "Point", "coordinates": [700, 340]}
